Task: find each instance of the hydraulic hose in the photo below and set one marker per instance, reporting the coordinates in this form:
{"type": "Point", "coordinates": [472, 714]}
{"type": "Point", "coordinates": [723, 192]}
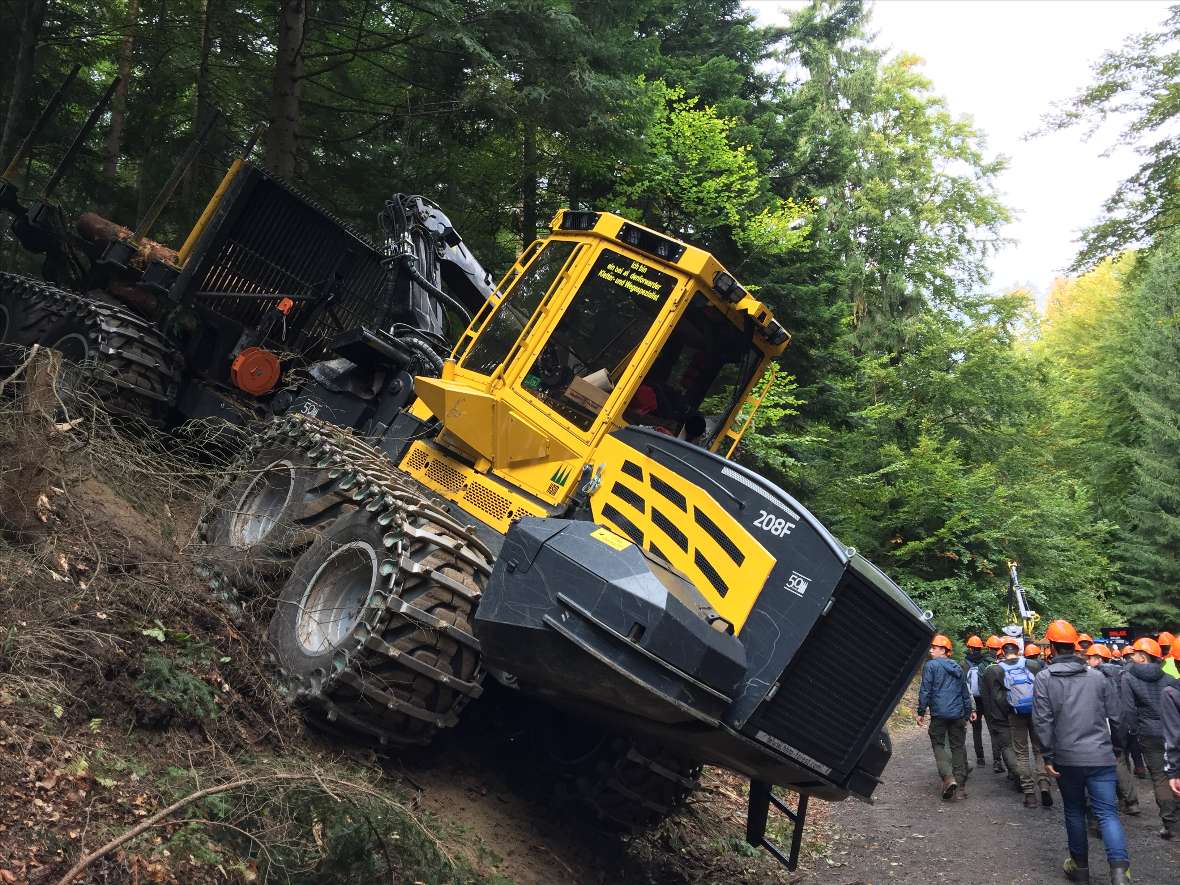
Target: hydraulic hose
{"type": "Point", "coordinates": [424, 350]}
{"type": "Point", "coordinates": [417, 277]}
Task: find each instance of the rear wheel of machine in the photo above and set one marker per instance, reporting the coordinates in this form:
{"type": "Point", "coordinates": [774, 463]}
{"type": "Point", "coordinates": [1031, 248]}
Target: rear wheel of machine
{"type": "Point", "coordinates": [28, 308]}
{"type": "Point", "coordinates": [630, 784]}
{"type": "Point", "coordinates": [275, 506]}
{"type": "Point", "coordinates": [372, 632]}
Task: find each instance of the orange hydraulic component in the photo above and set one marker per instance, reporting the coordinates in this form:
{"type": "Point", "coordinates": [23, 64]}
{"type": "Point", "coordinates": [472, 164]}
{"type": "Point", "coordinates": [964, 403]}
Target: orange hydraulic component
{"type": "Point", "coordinates": [255, 370]}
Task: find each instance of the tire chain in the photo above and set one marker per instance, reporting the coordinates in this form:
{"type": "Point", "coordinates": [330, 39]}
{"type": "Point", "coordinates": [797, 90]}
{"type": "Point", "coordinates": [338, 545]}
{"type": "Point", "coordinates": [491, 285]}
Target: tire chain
{"type": "Point", "coordinates": [365, 475]}
{"type": "Point", "coordinates": [147, 348]}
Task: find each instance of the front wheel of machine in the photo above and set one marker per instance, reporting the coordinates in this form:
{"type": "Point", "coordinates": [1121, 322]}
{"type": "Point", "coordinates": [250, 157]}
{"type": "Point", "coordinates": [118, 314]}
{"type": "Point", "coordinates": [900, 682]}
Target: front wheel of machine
{"type": "Point", "coordinates": [28, 308]}
{"type": "Point", "coordinates": [372, 632]}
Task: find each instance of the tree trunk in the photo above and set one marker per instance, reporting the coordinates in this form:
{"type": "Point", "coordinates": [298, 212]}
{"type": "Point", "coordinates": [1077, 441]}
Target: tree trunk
{"type": "Point", "coordinates": [283, 135]}
{"type": "Point", "coordinates": [14, 120]}
{"type": "Point", "coordinates": [203, 106]}
{"type": "Point", "coordinates": [110, 164]}
{"type": "Point", "coordinates": [528, 185]}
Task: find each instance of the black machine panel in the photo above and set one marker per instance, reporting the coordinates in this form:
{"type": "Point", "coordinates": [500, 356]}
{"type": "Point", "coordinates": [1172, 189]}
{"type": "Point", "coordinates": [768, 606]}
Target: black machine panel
{"type": "Point", "coordinates": [266, 242]}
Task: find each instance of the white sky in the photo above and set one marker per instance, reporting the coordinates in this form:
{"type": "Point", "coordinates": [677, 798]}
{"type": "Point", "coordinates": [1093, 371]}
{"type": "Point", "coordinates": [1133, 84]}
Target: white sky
{"type": "Point", "coordinates": [1004, 63]}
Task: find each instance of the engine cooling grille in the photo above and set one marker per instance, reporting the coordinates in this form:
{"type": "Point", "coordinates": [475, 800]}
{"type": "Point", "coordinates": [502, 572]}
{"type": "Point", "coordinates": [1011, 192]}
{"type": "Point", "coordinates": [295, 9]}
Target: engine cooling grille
{"type": "Point", "coordinates": [830, 701]}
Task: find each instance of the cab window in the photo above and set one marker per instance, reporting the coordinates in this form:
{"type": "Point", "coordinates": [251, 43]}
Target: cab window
{"type": "Point", "coordinates": [698, 376]}
{"type": "Point", "coordinates": [598, 336]}
{"type": "Point", "coordinates": [511, 315]}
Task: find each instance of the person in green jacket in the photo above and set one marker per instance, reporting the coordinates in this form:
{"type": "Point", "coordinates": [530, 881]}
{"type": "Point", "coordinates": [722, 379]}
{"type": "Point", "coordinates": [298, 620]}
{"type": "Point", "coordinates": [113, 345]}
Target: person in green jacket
{"type": "Point", "coordinates": [1168, 646]}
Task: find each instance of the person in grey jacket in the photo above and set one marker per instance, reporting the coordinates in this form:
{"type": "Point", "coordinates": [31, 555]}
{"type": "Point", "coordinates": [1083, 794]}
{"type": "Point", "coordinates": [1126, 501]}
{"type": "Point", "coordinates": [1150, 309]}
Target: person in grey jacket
{"type": "Point", "coordinates": [945, 695]}
{"type": "Point", "coordinates": [1170, 713]}
{"type": "Point", "coordinates": [1071, 706]}
{"type": "Point", "coordinates": [1141, 687]}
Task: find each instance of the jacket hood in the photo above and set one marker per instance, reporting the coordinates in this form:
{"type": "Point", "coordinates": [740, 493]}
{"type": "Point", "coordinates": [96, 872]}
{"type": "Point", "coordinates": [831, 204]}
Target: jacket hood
{"type": "Point", "coordinates": [1070, 665]}
{"type": "Point", "coordinates": [1148, 672]}
{"type": "Point", "coordinates": [949, 665]}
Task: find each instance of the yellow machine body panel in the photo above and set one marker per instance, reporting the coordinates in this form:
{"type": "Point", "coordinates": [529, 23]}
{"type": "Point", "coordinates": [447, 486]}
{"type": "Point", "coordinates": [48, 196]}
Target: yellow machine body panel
{"type": "Point", "coordinates": [602, 325]}
{"type": "Point", "coordinates": [682, 524]}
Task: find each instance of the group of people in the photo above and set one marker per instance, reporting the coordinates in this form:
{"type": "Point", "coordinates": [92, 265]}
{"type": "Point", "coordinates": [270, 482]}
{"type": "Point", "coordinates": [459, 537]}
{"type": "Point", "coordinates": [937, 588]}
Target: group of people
{"type": "Point", "coordinates": [1065, 710]}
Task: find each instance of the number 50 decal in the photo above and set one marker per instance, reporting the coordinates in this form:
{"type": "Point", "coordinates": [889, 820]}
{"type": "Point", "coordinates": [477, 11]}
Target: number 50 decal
{"type": "Point", "coordinates": [776, 525]}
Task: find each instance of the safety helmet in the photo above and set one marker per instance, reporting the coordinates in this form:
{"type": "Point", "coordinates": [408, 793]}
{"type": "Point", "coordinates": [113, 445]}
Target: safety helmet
{"type": "Point", "coordinates": [1148, 646]}
{"type": "Point", "coordinates": [942, 642]}
{"type": "Point", "coordinates": [1061, 631]}
{"type": "Point", "coordinates": [1165, 638]}
{"type": "Point", "coordinates": [1085, 638]}
{"type": "Point", "coordinates": [1116, 652]}
{"type": "Point", "coordinates": [1176, 651]}
{"type": "Point", "coordinates": [1099, 650]}
{"type": "Point", "coordinates": [974, 642]}
{"type": "Point", "coordinates": [1032, 650]}
{"type": "Point", "coordinates": [994, 642]}
{"type": "Point", "coordinates": [1014, 641]}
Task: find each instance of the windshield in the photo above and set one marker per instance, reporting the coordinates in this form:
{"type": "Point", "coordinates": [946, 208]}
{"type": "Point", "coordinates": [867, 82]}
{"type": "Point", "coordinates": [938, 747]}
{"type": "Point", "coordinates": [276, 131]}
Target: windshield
{"type": "Point", "coordinates": [506, 324]}
{"type": "Point", "coordinates": [698, 377]}
{"type": "Point", "coordinates": [598, 336]}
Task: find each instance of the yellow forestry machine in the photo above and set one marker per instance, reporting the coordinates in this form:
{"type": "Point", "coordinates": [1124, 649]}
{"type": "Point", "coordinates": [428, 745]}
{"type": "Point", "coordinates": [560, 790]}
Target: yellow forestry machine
{"type": "Point", "coordinates": [548, 500]}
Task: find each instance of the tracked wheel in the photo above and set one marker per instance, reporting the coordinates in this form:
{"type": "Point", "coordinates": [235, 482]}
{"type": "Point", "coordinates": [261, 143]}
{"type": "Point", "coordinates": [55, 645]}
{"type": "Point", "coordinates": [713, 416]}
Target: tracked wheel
{"type": "Point", "coordinates": [630, 784]}
{"type": "Point", "coordinates": [371, 631]}
{"type": "Point", "coordinates": [113, 357]}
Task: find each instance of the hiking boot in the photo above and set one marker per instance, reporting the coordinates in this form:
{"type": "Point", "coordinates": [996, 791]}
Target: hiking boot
{"type": "Point", "coordinates": [980, 762]}
{"type": "Point", "coordinates": [998, 767]}
{"type": "Point", "coordinates": [1166, 832]}
{"type": "Point", "coordinates": [1132, 808]}
{"type": "Point", "coordinates": [961, 793]}
{"type": "Point", "coordinates": [948, 788]}
{"type": "Point", "coordinates": [1047, 798]}
{"type": "Point", "coordinates": [1075, 872]}
{"type": "Point", "coordinates": [1141, 772]}
{"type": "Point", "coordinates": [1030, 801]}
{"type": "Point", "coordinates": [1120, 874]}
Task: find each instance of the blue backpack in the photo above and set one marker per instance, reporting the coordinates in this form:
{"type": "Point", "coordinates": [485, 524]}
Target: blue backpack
{"type": "Point", "coordinates": [1019, 683]}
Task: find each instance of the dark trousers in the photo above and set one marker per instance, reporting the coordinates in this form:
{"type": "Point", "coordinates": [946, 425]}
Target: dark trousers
{"type": "Point", "coordinates": [1001, 737]}
{"type": "Point", "coordinates": [1153, 755]}
{"type": "Point", "coordinates": [1098, 784]}
{"type": "Point", "coordinates": [948, 738]}
{"type": "Point", "coordinates": [977, 731]}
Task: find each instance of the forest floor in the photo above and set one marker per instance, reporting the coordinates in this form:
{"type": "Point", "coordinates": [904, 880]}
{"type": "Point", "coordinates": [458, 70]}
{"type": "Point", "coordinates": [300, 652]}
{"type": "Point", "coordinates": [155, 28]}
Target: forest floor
{"type": "Point", "coordinates": [126, 688]}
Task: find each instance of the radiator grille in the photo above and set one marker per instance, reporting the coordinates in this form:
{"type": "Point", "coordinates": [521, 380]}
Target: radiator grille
{"type": "Point", "coordinates": [830, 700]}
{"type": "Point", "coordinates": [274, 242]}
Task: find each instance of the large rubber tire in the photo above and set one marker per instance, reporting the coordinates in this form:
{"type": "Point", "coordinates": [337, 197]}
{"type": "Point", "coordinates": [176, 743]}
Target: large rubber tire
{"type": "Point", "coordinates": [629, 784]}
{"type": "Point", "coordinates": [372, 632]}
{"type": "Point", "coordinates": [269, 510]}
{"type": "Point", "coordinates": [28, 308]}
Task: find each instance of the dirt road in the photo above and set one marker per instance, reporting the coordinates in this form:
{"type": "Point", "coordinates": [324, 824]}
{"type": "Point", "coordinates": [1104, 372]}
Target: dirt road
{"type": "Point", "coordinates": [910, 835]}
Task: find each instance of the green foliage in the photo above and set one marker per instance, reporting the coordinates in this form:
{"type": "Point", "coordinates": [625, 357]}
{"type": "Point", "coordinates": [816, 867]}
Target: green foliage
{"type": "Point", "coordinates": [168, 682]}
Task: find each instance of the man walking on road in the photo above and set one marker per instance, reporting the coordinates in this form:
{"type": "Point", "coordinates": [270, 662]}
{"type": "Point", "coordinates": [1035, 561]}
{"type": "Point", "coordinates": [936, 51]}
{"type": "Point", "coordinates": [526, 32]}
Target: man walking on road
{"type": "Point", "coordinates": [997, 716]}
{"type": "Point", "coordinates": [1141, 688]}
{"type": "Point", "coordinates": [1170, 708]}
{"type": "Point", "coordinates": [1071, 706]}
{"type": "Point", "coordinates": [1102, 659]}
{"type": "Point", "coordinates": [978, 658]}
{"type": "Point", "coordinates": [1014, 695]}
{"type": "Point", "coordinates": [945, 695]}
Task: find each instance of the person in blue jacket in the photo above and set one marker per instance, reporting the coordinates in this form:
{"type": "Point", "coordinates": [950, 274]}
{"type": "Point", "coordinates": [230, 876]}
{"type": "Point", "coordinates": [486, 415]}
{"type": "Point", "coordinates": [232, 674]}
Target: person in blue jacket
{"type": "Point", "coordinates": [945, 696]}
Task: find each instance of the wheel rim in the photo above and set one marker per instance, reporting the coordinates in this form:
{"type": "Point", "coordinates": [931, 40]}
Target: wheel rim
{"type": "Point", "coordinates": [74, 347]}
{"type": "Point", "coordinates": [334, 597]}
{"type": "Point", "coordinates": [262, 504]}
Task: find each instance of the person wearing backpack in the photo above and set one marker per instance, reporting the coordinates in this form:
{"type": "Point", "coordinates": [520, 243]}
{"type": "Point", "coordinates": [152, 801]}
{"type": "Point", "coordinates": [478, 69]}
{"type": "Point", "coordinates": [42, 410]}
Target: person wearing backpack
{"type": "Point", "coordinates": [978, 659]}
{"type": "Point", "coordinates": [944, 694]}
{"type": "Point", "coordinates": [1141, 688]}
{"type": "Point", "coordinates": [1071, 708]}
{"type": "Point", "coordinates": [1014, 694]}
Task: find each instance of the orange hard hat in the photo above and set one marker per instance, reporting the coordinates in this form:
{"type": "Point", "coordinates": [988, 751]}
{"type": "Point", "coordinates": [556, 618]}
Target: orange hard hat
{"type": "Point", "coordinates": [994, 642]}
{"type": "Point", "coordinates": [1148, 646]}
{"type": "Point", "coordinates": [1116, 652]}
{"type": "Point", "coordinates": [943, 642]}
{"type": "Point", "coordinates": [1032, 650]}
{"type": "Point", "coordinates": [1061, 631]}
{"type": "Point", "coordinates": [1085, 637]}
{"type": "Point", "coordinates": [1176, 651]}
{"type": "Point", "coordinates": [1165, 638]}
{"type": "Point", "coordinates": [1100, 650]}
{"type": "Point", "coordinates": [974, 642]}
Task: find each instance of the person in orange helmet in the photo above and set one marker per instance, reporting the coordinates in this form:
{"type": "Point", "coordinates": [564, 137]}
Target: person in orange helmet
{"type": "Point", "coordinates": [945, 696]}
{"type": "Point", "coordinates": [1084, 642]}
{"type": "Point", "coordinates": [1102, 658]}
{"type": "Point", "coordinates": [1142, 689]}
{"type": "Point", "coordinates": [1167, 641]}
{"type": "Point", "coordinates": [1032, 652]}
{"type": "Point", "coordinates": [1072, 706]}
{"type": "Point", "coordinates": [978, 660]}
{"type": "Point", "coordinates": [1170, 711]}
{"type": "Point", "coordinates": [1013, 695]}
{"type": "Point", "coordinates": [997, 719]}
